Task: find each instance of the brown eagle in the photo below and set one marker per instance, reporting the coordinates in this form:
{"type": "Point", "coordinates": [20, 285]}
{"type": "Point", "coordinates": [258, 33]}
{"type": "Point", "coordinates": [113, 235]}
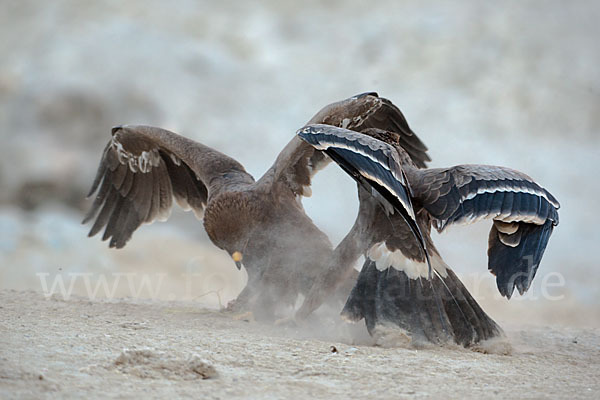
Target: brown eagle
{"type": "Point", "coordinates": [404, 283]}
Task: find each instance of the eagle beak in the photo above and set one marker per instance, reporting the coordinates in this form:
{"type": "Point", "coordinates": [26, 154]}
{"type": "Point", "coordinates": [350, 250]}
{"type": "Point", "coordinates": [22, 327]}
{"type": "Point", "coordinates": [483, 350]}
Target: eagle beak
{"type": "Point", "coordinates": [237, 258]}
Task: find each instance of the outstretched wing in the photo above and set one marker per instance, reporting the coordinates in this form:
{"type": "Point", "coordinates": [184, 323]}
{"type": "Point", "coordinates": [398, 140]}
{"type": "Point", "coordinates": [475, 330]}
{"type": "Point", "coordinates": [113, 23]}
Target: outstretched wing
{"type": "Point", "coordinates": [142, 169]}
{"type": "Point", "coordinates": [374, 164]}
{"type": "Point", "coordinates": [524, 214]}
{"type": "Point", "coordinates": [368, 110]}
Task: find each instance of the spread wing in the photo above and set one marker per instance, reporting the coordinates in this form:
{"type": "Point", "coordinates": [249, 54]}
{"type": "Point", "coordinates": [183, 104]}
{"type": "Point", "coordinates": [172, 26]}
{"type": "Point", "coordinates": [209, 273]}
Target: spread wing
{"type": "Point", "coordinates": [375, 165]}
{"type": "Point", "coordinates": [524, 214]}
{"type": "Point", "coordinates": [368, 110]}
{"type": "Point", "coordinates": [142, 170]}
{"type": "Point", "coordinates": [386, 218]}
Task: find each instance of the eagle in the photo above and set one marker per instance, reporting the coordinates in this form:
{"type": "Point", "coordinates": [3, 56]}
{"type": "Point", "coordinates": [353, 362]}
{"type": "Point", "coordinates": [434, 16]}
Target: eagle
{"type": "Point", "coordinates": [262, 224]}
{"type": "Point", "coordinates": [404, 282]}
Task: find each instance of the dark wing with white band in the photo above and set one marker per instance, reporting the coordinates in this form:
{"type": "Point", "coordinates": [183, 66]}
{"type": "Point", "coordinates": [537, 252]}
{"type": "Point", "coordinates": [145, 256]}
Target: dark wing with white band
{"type": "Point", "coordinates": [523, 212]}
{"type": "Point", "coordinates": [374, 164]}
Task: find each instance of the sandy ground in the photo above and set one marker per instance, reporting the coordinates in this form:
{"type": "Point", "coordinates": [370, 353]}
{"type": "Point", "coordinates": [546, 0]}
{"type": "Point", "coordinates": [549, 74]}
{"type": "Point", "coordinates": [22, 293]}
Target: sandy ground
{"type": "Point", "coordinates": [53, 348]}
{"type": "Point", "coordinates": [145, 320]}
{"type": "Point", "coordinates": [506, 83]}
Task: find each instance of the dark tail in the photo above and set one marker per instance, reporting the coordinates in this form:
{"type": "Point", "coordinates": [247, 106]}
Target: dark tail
{"type": "Point", "coordinates": [440, 310]}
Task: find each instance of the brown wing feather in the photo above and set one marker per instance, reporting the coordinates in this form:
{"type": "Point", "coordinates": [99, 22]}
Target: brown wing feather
{"type": "Point", "coordinates": [142, 169]}
{"type": "Point", "coordinates": [386, 116]}
{"type": "Point", "coordinates": [298, 162]}
{"type": "Point", "coordinates": [368, 110]}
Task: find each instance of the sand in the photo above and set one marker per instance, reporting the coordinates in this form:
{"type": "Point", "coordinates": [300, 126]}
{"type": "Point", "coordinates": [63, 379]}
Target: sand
{"type": "Point", "coordinates": [51, 348]}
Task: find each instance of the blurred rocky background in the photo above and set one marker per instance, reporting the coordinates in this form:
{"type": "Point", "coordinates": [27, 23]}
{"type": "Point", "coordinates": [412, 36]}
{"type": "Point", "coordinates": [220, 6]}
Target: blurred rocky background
{"type": "Point", "coordinates": [512, 83]}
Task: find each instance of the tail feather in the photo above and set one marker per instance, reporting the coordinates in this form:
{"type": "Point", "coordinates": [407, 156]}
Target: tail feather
{"type": "Point", "coordinates": [361, 301]}
{"type": "Point", "coordinates": [439, 310]}
{"type": "Point", "coordinates": [393, 301]}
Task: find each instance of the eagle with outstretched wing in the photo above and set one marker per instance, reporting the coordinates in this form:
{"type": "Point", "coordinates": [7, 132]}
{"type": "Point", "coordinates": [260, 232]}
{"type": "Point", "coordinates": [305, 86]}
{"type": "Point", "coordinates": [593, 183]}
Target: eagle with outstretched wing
{"type": "Point", "coordinates": [404, 282]}
{"type": "Point", "coordinates": [260, 223]}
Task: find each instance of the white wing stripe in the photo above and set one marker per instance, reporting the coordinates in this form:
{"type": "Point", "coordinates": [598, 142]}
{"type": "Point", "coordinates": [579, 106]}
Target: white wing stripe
{"type": "Point", "coordinates": [407, 207]}
{"type": "Point", "coordinates": [512, 189]}
{"type": "Point", "coordinates": [472, 218]}
{"type": "Point", "coordinates": [324, 145]}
